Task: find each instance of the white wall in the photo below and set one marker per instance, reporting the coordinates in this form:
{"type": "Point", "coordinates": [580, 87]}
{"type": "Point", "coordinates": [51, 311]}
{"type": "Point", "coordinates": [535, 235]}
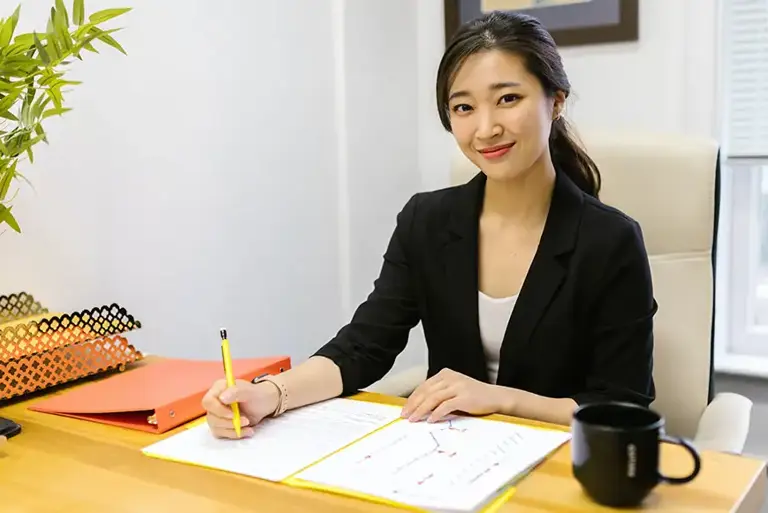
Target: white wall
{"type": "Point", "coordinates": [242, 166]}
{"type": "Point", "coordinates": [666, 81]}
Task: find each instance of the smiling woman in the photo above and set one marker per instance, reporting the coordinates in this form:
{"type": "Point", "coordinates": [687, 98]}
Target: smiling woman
{"type": "Point", "coordinates": [534, 296]}
{"type": "Point", "coordinates": [517, 76]}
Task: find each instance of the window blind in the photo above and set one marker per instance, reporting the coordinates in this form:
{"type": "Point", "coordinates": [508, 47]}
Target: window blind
{"type": "Point", "coordinates": [745, 80]}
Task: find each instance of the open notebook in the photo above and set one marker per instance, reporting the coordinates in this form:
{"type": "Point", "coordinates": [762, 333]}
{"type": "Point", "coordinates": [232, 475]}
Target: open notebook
{"type": "Point", "coordinates": [366, 450]}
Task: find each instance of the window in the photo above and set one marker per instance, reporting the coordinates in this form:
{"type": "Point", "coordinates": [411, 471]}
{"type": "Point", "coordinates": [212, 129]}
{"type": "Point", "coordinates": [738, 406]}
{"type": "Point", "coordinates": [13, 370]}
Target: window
{"type": "Point", "coordinates": [744, 36]}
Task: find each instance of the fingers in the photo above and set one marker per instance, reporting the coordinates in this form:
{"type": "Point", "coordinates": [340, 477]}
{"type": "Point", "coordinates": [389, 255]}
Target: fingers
{"type": "Point", "coordinates": [430, 402]}
{"type": "Point", "coordinates": [219, 416]}
{"type": "Point", "coordinates": [445, 409]}
{"type": "Point", "coordinates": [236, 394]}
{"type": "Point", "coordinates": [230, 433]}
{"type": "Point", "coordinates": [221, 423]}
{"type": "Point", "coordinates": [213, 405]}
{"type": "Point", "coordinates": [423, 391]}
{"type": "Point", "coordinates": [223, 428]}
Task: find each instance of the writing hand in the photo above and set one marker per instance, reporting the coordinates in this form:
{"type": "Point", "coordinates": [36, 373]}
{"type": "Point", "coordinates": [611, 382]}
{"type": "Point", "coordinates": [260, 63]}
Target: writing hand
{"type": "Point", "coordinates": [256, 402]}
{"type": "Point", "coordinates": [449, 391]}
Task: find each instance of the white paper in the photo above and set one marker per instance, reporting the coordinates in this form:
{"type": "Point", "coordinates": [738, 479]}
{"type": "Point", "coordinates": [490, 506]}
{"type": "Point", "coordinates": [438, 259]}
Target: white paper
{"type": "Point", "coordinates": [454, 465]}
{"type": "Point", "coordinates": [280, 446]}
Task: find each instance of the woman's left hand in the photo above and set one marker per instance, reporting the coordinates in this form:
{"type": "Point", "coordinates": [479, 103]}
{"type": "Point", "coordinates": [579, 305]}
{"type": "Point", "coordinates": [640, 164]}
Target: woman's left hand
{"type": "Point", "coordinates": [449, 391]}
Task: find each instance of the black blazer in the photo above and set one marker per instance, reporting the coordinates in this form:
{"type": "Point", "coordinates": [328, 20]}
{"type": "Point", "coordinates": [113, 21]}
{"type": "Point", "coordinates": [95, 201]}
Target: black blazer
{"type": "Point", "coordinates": [582, 326]}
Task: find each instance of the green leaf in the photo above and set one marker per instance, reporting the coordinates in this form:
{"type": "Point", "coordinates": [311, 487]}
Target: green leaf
{"type": "Point", "coordinates": [65, 40]}
{"type": "Point", "coordinates": [107, 14]}
{"type": "Point", "coordinates": [7, 178]}
{"type": "Point", "coordinates": [78, 12]}
{"type": "Point", "coordinates": [19, 49]}
{"type": "Point", "coordinates": [55, 94]}
{"type": "Point", "coordinates": [61, 28]}
{"type": "Point", "coordinates": [53, 50]}
{"type": "Point", "coordinates": [7, 217]}
{"type": "Point", "coordinates": [29, 143]}
{"type": "Point", "coordinates": [15, 17]}
{"type": "Point", "coordinates": [9, 100]}
{"type": "Point", "coordinates": [41, 51]}
{"type": "Point", "coordinates": [41, 132]}
{"type": "Point", "coordinates": [81, 32]}
{"type": "Point", "coordinates": [25, 39]}
{"type": "Point", "coordinates": [54, 46]}
{"type": "Point", "coordinates": [103, 36]}
{"type": "Point", "coordinates": [61, 10]}
{"type": "Point", "coordinates": [5, 114]}
{"type": "Point", "coordinates": [39, 107]}
{"type": "Point", "coordinates": [6, 31]}
{"type": "Point", "coordinates": [25, 117]}
{"type": "Point", "coordinates": [55, 112]}
{"type": "Point", "coordinates": [48, 77]}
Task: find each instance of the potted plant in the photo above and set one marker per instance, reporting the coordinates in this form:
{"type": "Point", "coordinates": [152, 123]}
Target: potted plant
{"type": "Point", "coordinates": [32, 84]}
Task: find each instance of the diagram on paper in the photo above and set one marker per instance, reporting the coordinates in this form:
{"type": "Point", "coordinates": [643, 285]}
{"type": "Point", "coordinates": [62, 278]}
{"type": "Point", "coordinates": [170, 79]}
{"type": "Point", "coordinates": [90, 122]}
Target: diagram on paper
{"type": "Point", "coordinates": [427, 452]}
{"type": "Point", "coordinates": [460, 460]}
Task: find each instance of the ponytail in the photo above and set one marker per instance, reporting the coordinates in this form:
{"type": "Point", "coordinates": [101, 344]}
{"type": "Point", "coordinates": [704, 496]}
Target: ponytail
{"type": "Point", "coordinates": [569, 158]}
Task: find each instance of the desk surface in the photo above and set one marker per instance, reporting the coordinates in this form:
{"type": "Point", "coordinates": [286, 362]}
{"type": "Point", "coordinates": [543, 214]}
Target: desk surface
{"type": "Point", "coordinates": [60, 464]}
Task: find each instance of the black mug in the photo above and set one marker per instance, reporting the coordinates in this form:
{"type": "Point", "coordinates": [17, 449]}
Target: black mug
{"type": "Point", "coordinates": [615, 452]}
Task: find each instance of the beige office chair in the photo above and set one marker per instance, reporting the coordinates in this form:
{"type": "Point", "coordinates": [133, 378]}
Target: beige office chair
{"type": "Point", "coordinates": [668, 184]}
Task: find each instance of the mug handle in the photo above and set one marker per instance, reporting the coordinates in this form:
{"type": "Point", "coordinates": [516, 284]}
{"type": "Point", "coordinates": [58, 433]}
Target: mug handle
{"type": "Point", "coordinates": [694, 454]}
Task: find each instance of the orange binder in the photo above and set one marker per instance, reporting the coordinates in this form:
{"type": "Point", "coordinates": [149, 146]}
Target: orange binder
{"type": "Point", "coordinates": [156, 397]}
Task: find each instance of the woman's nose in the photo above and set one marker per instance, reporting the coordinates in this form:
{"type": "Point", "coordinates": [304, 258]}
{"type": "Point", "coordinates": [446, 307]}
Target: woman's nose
{"type": "Point", "coordinates": [487, 126]}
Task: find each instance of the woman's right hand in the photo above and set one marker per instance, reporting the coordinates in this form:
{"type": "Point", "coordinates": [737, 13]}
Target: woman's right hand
{"type": "Point", "coordinates": [256, 402]}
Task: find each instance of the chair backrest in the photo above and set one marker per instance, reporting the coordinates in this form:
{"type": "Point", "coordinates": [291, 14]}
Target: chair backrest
{"type": "Point", "coordinates": [668, 185]}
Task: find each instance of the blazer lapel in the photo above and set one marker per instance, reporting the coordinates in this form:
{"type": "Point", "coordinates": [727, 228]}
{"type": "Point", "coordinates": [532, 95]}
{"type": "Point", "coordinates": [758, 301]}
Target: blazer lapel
{"type": "Point", "coordinates": [545, 274]}
{"type": "Point", "coordinates": [461, 266]}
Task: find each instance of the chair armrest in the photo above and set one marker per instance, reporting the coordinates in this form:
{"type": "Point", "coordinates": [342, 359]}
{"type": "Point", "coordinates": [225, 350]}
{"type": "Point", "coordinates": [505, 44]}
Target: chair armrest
{"type": "Point", "coordinates": [401, 383]}
{"type": "Point", "coordinates": [724, 426]}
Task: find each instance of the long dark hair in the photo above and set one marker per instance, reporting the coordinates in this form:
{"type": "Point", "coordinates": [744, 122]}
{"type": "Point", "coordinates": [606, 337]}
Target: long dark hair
{"type": "Point", "coordinates": [524, 36]}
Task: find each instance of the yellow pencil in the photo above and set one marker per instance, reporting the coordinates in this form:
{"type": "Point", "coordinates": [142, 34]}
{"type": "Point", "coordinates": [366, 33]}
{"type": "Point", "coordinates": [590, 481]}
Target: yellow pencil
{"type": "Point", "coordinates": [229, 374]}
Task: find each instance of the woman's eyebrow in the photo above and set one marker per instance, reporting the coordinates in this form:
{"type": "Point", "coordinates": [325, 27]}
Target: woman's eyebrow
{"type": "Point", "coordinates": [493, 87]}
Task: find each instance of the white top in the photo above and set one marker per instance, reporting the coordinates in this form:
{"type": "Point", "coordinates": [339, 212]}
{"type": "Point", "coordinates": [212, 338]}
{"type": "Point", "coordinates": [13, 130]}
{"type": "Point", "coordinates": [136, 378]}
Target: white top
{"type": "Point", "coordinates": [494, 316]}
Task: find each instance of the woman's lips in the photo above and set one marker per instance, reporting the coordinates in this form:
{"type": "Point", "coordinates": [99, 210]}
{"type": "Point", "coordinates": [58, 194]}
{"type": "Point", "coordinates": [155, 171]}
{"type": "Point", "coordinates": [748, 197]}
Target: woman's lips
{"type": "Point", "coordinates": [495, 152]}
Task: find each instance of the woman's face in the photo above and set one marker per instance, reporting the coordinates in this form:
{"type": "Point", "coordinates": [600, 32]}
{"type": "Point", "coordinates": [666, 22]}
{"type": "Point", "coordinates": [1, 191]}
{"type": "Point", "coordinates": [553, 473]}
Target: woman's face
{"type": "Point", "coordinates": [500, 115]}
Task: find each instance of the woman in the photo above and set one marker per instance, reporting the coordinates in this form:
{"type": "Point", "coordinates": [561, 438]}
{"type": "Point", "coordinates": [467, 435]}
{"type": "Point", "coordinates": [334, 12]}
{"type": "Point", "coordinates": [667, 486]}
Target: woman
{"type": "Point", "coordinates": [534, 297]}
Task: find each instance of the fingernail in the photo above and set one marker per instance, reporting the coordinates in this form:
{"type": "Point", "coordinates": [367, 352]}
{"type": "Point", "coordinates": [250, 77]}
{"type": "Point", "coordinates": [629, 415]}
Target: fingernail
{"type": "Point", "coordinates": [225, 397]}
{"type": "Point", "coordinates": [244, 422]}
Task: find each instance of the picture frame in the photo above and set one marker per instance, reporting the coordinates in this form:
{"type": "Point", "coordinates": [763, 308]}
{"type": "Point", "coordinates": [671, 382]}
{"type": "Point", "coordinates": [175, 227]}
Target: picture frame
{"type": "Point", "coordinates": [571, 24]}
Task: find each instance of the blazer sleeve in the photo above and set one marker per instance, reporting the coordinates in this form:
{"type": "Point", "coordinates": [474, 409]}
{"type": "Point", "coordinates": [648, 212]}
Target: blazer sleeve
{"type": "Point", "coordinates": [621, 327]}
{"type": "Point", "coordinates": [366, 348]}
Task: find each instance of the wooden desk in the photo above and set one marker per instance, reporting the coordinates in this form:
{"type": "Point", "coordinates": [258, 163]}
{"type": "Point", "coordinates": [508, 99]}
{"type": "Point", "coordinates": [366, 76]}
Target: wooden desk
{"type": "Point", "coordinates": [64, 465]}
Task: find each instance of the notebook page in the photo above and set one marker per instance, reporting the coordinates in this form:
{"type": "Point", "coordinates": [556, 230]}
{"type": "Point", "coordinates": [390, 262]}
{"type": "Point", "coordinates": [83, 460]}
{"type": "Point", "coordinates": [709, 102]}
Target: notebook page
{"type": "Point", "coordinates": [454, 465]}
{"type": "Point", "coordinates": [280, 446]}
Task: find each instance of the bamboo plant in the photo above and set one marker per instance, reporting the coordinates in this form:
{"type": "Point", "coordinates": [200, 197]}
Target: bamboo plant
{"type": "Point", "coordinates": [33, 83]}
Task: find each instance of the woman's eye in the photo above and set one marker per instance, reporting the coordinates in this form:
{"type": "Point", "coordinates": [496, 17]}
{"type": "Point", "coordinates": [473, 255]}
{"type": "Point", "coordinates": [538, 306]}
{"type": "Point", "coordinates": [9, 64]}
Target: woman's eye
{"type": "Point", "coordinates": [509, 98]}
{"type": "Point", "coordinates": [461, 107]}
